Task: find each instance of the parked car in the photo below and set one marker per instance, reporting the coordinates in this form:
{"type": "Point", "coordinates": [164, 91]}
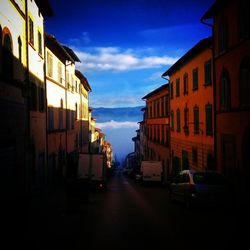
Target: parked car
{"type": "Point", "coordinates": [198, 187]}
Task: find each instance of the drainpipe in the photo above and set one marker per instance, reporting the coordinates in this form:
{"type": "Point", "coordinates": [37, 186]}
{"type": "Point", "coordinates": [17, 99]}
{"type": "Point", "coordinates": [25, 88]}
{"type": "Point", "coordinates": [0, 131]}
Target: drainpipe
{"type": "Point", "coordinates": [46, 102]}
{"type": "Point", "coordinates": [214, 92]}
{"type": "Point", "coordinates": [27, 96]}
{"type": "Point", "coordinates": [169, 112]}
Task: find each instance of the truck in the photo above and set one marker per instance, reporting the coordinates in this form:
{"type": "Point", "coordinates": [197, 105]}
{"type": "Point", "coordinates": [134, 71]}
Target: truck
{"type": "Point", "coordinates": [151, 171]}
{"type": "Point", "coordinates": [92, 167]}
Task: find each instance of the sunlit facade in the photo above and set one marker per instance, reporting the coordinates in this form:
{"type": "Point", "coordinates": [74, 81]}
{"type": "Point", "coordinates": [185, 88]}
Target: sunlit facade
{"type": "Point", "coordinates": [191, 109]}
{"type": "Point", "coordinates": [67, 111]}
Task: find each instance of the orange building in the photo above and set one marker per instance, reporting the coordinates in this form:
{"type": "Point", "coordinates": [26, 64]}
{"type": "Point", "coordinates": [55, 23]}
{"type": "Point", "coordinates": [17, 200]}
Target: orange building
{"type": "Point", "coordinates": [191, 109]}
{"type": "Point", "coordinates": [157, 123]}
{"type": "Point", "coordinates": [231, 32]}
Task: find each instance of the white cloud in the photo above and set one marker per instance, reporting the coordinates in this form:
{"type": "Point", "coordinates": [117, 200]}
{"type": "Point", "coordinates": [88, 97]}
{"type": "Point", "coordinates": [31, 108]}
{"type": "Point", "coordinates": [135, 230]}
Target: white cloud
{"type": "Point", "coordinates": [117, 101]}
{"type": "Point", "coordinates": [82, 40]}
{"type": "Point", "coordinates": [114, 124]}
{"type": "Point", "coordinates": [116, 59]}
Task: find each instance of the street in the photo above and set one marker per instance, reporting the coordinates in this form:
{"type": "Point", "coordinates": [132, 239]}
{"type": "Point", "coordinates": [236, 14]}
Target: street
{"type": "Point", "coordinates": [129, 215]}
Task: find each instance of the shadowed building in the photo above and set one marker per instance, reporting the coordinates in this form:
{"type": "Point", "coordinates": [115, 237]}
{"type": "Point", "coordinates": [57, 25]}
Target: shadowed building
{"type": "Point", "coordinates": [22, 96]}
{"type": "Point", "coordinates": [231, 32]}
{"type": "Point", "coordinates": [157, 127]}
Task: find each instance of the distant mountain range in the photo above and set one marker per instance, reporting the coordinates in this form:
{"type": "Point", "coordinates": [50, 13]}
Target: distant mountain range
{"type": "Point", "coordinates": [133, 114]}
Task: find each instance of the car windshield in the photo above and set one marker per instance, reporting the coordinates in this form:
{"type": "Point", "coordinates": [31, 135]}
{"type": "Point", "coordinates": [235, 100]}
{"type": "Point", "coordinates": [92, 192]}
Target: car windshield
{"type": "Point", "coordinates": [208, 178]}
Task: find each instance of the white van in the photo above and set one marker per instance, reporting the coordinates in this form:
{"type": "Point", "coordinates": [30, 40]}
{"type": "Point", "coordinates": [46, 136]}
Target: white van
{"type": "Point", "coordinates": [151, 171]}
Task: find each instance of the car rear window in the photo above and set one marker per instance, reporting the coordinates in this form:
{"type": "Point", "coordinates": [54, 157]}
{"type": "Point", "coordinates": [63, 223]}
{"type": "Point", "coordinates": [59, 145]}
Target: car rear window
{"type": "Point", "coordinates": [208, 178]}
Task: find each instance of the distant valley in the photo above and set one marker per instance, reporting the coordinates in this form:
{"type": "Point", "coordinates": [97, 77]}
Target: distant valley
{"type": "Point", "coordinates": [133, 114]}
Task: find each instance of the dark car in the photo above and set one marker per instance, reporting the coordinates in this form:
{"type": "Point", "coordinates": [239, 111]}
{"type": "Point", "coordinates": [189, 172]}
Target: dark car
{"type": "Point", "coordinates": [199, 187]}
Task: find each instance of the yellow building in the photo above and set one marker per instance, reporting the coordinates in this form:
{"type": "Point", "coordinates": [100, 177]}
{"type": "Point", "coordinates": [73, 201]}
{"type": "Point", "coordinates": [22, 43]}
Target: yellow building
{"type": "Point", "coordinates": [22, 99]}
{"type": "Point", "coordinates": [67, 100]}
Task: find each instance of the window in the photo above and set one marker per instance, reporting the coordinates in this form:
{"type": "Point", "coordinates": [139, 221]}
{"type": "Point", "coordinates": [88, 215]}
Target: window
{"type": "Point", "coordinates": [244, 19]}
{"type": "Point", "coordinates": [172, 120]}
{"type": "Point", "coordinates": [31, 31]}
{"type": "Point", "coordinates": [178, 120]}
{"type": "Point", "coordinates": [50, 64]}
{"type": "Point", "coordinates": [223, 40]}
{"type": "Point", "coordinates": [33, 101]}
{"type": "Point", "coordinates": [19, 49]}
{"type": "Point", "coordinates": [41, 99]}
{"type": "Point", "coordinates": [7, 56]}
{"type": "Point", "coordinates": [67, 79]}
{"type": "Point", "coordinates": [244, 83]}
{"type": "Point", "coordinates": [177, 87]}
{"type": "Point", "coordinates": [185, 84]}
{"type": "Point", "coordinates": [167, 106]}
{"type": "Point", "coordinates": [51, 118]}
{"type": "Point", "coordinates": [162, 106]}
{"type": "Point", "coordinates": [171, 90]}
{"type": "Point", "coordinates": [207, 71]}
{"type": "Point", "coordinates": [68, 119]}
{"type": "Point", "coordinates": [195, 79]}
{"type": "Point", "coordinates": [209, 120]}
{"type": "Point", "coordinates": [39, 39]}
{"type": "Point", "coordinates": [185, 163]}
{"type": "Point", "coordinates": [59, 72]}
{"type": "Point", "coordinates": [60, 120]}
{"type": "Point", "coordinates": [1, 50]}
{"type": "Point", "coordinates": [225, 92]}
{"type": "Point", "coordinates": [76, 107]}
{"type": "Point", "coordinates": [72, 114]}
{"type": "Point", "coordinates": [196, 120]}
{"type": "Point", "coordinates": [194, 156]}
{"type": "Point", "coordinates": [185, 119]}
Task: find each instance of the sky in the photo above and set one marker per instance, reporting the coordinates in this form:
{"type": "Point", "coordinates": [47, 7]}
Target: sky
{"type": "Point", "coordinates": [126, 45]}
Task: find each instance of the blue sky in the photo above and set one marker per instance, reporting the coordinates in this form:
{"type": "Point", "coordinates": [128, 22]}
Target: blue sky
{"type": "Point", "coordinates": [125, 45]}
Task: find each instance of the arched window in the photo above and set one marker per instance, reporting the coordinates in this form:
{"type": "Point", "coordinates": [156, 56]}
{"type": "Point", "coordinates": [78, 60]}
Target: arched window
{"type": "Point", "coordinates": [225, 91]}
{"type": "Point", "coordinates": [244, 83]}
{"type": "Point", "coordinates": [7, 56]}
{"type": "Point", "coordinates": [223, 37]}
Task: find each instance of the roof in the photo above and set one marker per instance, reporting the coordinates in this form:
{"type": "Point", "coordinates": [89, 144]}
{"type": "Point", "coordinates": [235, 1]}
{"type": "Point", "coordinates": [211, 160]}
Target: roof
{"type": "Point", "coordinates": [215, 8]}
{"type": "Point", "coordinates": [83, 79]}
{"type": "Point", "coordinates": [72, 54]}
{"type": "Point", "coordinates": [199, 47]}
{"type": "Point", "coordinates": [52, 43]}
{"type": "Point", "coordinates": [45, 7]}
{"type": "Point", "coordinates": [154, 92]}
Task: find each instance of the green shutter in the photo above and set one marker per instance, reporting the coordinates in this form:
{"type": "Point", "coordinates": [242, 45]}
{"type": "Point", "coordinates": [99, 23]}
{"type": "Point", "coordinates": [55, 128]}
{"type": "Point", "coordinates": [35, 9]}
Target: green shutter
{"type": "Point", "coordinates": [208, 73]}
{"type": "Point", "coordinates": [196, 120]}
{"type": "Point", "coordinates": [209, 125]}
{"type": "Point", "coordinates": [178, 121]}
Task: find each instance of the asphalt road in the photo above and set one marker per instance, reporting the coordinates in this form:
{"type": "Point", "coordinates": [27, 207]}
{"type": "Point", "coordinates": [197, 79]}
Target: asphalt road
{"type": "Point", "coordinates": [131, 216]}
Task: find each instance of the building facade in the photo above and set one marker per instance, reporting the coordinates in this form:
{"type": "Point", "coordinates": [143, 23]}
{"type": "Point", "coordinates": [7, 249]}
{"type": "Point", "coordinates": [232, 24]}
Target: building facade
{"type": "Point", "coordinates": [191, 109]}
{"type": "Point", "coordinates": [231, 43]}
{"type": "Point", "coordinates": [157, 125]}
{"type": "Point", "coordinates": [22, 95]}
